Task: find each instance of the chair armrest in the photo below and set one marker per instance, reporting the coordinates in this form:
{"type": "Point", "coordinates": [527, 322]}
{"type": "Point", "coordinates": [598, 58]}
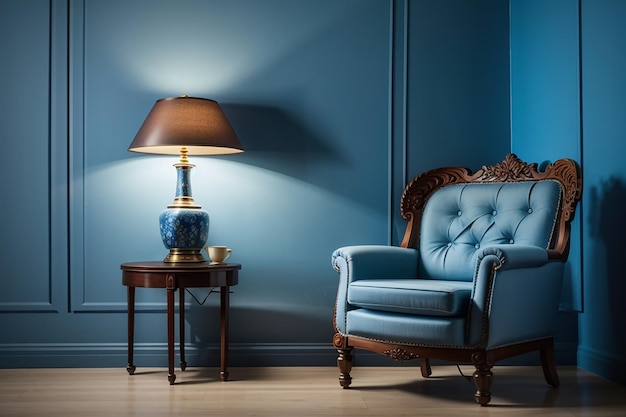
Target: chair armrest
{"type": "Point", "coordinates": [515, 256]}
{"type": "Point", "coordinates": [514, 284]}
{"type": "Point", "coordinates": [375, 262]}
{"type": "Point", "coordinates": [368, 262]}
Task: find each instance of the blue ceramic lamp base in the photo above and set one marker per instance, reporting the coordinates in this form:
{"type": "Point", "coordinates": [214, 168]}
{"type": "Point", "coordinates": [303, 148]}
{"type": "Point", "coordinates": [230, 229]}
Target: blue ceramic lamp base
{"type": "Point", "coordinates": [184, 232]}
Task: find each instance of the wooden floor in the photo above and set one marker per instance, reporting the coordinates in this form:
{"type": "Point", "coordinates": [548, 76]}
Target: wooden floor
{"type": "Point", "coordinates": [302, 392]}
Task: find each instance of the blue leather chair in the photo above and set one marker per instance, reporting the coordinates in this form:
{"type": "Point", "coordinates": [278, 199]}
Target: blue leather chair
{"type": "Point", "coordinates": [477, 277]}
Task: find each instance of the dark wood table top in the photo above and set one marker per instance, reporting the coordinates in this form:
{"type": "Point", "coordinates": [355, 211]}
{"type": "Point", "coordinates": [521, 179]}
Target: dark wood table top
{"type": "Point", "coordinates": [176, 266]}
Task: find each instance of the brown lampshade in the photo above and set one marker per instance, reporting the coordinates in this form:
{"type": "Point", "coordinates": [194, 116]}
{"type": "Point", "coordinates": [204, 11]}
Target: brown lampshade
{"type": "Point", "coordinates": [197, 124]}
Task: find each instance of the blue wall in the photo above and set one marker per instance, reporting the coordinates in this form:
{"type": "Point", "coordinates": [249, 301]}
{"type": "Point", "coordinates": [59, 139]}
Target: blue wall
{"type": "Point", "coordinates": [337, 103]}
{"type": "Point", "coordinates": [603, 342]}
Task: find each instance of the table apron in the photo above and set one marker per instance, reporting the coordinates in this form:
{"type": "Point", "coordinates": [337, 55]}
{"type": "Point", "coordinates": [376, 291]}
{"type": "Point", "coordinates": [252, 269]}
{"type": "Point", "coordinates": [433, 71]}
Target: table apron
{"type": "Point", "coordinates": [196, 279]}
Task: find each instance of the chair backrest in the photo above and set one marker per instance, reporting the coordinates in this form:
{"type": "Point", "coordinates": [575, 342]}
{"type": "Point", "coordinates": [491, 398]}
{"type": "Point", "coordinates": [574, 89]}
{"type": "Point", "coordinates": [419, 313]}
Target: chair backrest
{"type": "Point", "coordinates": [452, 213]}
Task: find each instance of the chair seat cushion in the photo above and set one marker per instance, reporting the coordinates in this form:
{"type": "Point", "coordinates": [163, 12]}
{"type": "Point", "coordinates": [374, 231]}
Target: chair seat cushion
{"type": "Point", "coordinates": [412, 296]}
{"type": "Point", "coordinates": [404, 328]}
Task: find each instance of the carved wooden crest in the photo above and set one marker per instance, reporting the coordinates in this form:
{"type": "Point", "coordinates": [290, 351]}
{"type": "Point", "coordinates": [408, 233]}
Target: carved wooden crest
{"type": "Point", "coordinates": [511, 169]}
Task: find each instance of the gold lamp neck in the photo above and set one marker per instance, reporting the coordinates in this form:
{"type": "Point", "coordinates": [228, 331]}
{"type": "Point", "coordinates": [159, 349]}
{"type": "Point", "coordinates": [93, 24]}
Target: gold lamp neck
{"type": "Point", "coordinates": [183, 155]}
{"type": "Point", "coordinates": [183, 197]}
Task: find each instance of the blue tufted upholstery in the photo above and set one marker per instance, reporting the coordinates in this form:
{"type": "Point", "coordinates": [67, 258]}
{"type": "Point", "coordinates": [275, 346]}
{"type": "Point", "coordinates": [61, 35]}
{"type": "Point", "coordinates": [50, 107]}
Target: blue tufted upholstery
{"type": "Point", "coordinates": [478, 275]}
{"type": "Point", "coordinates": [461, 219]}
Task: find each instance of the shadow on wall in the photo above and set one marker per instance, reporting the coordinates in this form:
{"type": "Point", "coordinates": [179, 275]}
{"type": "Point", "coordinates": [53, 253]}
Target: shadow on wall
{"type": "Point", "coordinates": [608, 224]}
{"type": "Point", "coordinates": [276, 140]}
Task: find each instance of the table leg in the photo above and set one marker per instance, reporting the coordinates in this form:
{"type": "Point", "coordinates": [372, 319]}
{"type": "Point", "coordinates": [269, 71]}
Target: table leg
{"type": "Point", "coordinates": [224, 307]}
{"type": "Point", "coordinates": [181, 324]}
{"type": "Point", "coordinates": [131, 329]}
{"type": "Point", "coordinates": [170, 328]}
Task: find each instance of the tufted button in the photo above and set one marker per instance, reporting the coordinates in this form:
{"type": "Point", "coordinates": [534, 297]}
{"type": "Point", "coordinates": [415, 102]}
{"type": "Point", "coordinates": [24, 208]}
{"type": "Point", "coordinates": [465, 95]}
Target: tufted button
{"type": "Point", "coordinates": [449, 244]}
{"type": "Point", "coordinates": [459, 213]}
{"type": "Point", "coordinates": [530, 210]}
{"type": "Point", "coordinates": [511, 241]}
{"type": "Point", "coordinates": [477, 246]}
{"type": "Point", "coordinates": [493, 213]}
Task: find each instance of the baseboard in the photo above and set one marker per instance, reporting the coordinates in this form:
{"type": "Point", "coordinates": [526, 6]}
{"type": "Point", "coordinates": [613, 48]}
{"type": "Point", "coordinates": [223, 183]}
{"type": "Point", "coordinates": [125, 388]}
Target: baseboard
{"type": "Point", "coordinates": [609, 366]}
{"type": "Point", "coordinates": [85, 355]}
{"type": "Point", "coordinates": [82, 355]}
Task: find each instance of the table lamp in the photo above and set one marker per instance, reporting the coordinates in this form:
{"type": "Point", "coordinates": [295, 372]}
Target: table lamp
{"type": "Point", "coordinates": [185, 126]}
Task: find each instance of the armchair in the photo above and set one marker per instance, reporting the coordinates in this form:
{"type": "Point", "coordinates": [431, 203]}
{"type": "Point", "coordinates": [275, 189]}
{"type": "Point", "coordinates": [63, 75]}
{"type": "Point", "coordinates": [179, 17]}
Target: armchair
{"type": "Point", "coordinates": [477, 277]}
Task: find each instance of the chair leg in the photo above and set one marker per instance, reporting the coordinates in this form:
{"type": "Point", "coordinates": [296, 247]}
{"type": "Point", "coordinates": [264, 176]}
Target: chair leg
{"type": "Point", "coordinates": [547, 362]}
{"type": "Point", "coordinates": [344, 362]}
{"type": "Point", "coordinates": [425, 367]}
{"type": "Point", "coordinates": [482, 377]}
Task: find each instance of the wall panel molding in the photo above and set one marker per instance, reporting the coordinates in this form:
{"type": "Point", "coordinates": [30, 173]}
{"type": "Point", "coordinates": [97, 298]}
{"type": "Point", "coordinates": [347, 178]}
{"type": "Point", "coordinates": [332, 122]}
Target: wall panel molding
{"type": "Point", "coordinates": [59, 144]}
{"type": "Point", "coordinates": [399, 73]}
{"type": "Point", "coordinates": [37, 126]}
{"type": "Point", "coordinates": [28, 307]}
{"type": "Point", "coordinates": [76, 152]}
